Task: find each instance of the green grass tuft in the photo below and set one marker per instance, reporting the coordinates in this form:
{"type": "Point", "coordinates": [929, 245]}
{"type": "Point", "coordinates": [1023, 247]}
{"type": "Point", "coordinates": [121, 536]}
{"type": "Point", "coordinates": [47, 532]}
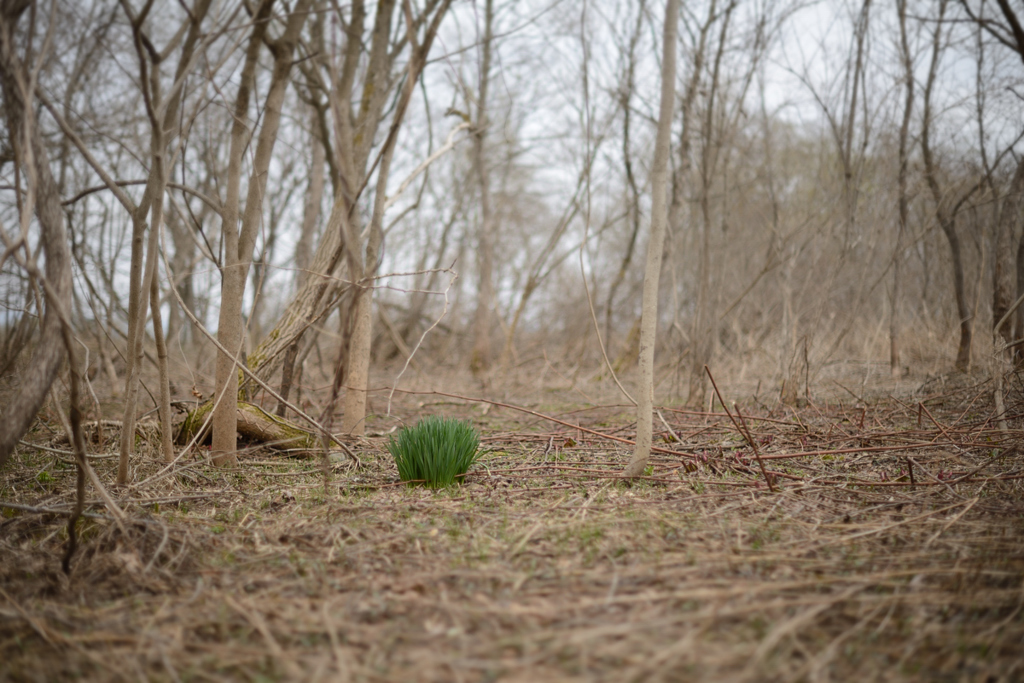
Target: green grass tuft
{"type": "Point", "coordinates": [435, 452]}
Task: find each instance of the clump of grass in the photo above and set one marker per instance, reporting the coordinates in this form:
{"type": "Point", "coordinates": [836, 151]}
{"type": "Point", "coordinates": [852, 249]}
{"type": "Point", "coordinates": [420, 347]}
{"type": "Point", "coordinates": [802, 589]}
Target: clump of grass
{"type": "Point", "coordinates": [436, 451]}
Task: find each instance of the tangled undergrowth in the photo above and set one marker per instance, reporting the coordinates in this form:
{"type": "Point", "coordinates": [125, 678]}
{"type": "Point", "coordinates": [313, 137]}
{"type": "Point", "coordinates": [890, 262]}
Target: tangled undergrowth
{"type": "Point", "coordinates": [891, 549]}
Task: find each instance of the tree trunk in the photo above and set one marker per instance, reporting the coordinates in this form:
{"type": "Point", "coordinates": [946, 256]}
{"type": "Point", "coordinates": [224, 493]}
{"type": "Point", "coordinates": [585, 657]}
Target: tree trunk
{"type": "Point", "coordinates": [357, 374]}
{"type": "Point", "coordinates": [703, 331]}
{"type": "Point", "coordinates": [946, 221]}
{"type": "Point", "coordinates": [679, 176]}
{"type": "Point", "coordinates": [850, 172]}
{"type": "Point", "coordinates": [480, 358]}
{"type": "Point", "coordinates": [354, 358]}
{"type": "Point", "coordinates": [358, 360]}
{"type": "Point", "coordinates": [1010, 34]}
{"type": "Point", "coordinates": [311, 300]}
{"type": "Point", "coordinates": [136, 328]}
{"type": "Point", "coordinates": [777, 255]}
{"type": "Point", "coordinates": [238, 244]}
{"type": "Point", "coordinates": [903, 204]}
{"type": "Point", "coordinates": [894, 319]}
{"type": "Point", "coordinates": [229, 332]}
{"type": "Point", "coordinates": [166, 447]}
{"type": "Point", "coordinates": [163, 121]}
{"type": "Point", "coordinates": [153, 281]}
{"type": "Point", "coordinates": [310, 209]}
{"type": "Point", "coordinates": [255, 424]}
{"type": "Point", "coordinates": [699, 330]}
{"type": "Point", "coordinates": [655, 248]}
{"type": "Point", "coordinates": [963, 354]}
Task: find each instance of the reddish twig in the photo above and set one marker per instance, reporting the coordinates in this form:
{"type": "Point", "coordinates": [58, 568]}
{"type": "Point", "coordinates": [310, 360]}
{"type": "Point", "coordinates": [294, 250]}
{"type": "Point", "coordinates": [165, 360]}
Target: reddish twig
{"type": "Point", "coordinates": [751, 441]}
{"type": "Point", "coordinates": [744, 434]}
{"type": "Point", "coordinates": [542, 416]}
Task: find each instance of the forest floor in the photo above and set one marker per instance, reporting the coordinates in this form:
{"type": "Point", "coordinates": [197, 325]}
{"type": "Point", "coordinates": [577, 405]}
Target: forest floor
{"type": "Point", "coordinates": [890, 546]}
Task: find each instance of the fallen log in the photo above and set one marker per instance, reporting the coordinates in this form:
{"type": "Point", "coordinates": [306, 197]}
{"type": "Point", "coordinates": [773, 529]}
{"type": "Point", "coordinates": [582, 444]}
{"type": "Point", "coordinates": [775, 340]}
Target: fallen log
{"type": "Point", "coordinates": [254, 424]}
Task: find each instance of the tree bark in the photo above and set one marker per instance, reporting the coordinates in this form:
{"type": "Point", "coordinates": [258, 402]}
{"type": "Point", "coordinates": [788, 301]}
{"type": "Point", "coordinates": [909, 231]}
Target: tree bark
{"type": "Point", "coordinates": [357, 358]}
{"type": "Point", "coordinates": [238, 244]}
{"type": "Point", "coordinates": [946, 220]}
{"type": "Point", "coordinates": [311, 301]}
{"type": "Point", "coordinates": [354, 357]}
{"type": "Point", "coordinates": [903, 203]}
{"type": "Point", "coordinates": [310, 209]}
{"type": "Point", "coordinates": [164, 408]}
{"type": "Point", "coordinates": [182, 261]}
{"type": "Point", "coordinates": [655, 247]}
{"type": "Point", "coordinates": [480, 358]}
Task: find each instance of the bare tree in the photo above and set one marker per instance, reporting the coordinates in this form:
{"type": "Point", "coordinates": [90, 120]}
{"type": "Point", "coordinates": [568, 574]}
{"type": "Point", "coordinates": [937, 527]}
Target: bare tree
{"type": "Point", "coordinates": [18, 82]}
{"type": "Point", "coordinates": [943, 213]}
{"type": "Point", "coordinates": [703, 324]}
{"type": "Point", "coordinates": [480, 358]}
{"type": "Point", "coordinates": [1004, 289]}
{"type": "Point", "coordinates": [851, 188]}
{"type": "Point", "coordinates": [239, 241]}
{"type": "Point", "coordinates": [357, 372]}
{"type": "Point", "coordinates": [355, 122]}
{"type": "Point", "coordinates": [902, 200]}
{"type": "Point", "coordinates": [655, 246]}
{"type": "Point", "coordinates": [682, 168]}
{"type": "Point", "coordinates": [162, 114]}
{"type": "Point", "coordinates": [1010, 33]}
{"type": "Point", "coordinates": [262, 106]}
{"type": "Point", "coordinates": [625, 96]}
{"type": "Point", "coordinates": [163, 118]}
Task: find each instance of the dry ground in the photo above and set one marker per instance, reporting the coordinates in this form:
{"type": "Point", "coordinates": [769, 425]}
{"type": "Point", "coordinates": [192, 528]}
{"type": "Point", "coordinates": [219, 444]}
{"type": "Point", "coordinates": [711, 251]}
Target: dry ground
{"type": "Point", "coordinates": [544, 566]}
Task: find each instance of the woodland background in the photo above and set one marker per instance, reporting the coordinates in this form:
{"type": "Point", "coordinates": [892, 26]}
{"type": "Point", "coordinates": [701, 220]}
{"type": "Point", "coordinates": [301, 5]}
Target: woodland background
{"type": "Point", "coordinates": [245, 241]}
{"type": "Point", "coordinates": [336, 180]}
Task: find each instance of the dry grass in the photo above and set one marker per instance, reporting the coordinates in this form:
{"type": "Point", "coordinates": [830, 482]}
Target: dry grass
{"type": "Point", "coordinates": [545, 566]}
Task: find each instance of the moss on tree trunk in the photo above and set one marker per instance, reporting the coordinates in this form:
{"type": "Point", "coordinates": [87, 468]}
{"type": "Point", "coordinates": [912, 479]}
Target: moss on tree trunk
{"type": "Point", "coordinates": [254, 424]}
